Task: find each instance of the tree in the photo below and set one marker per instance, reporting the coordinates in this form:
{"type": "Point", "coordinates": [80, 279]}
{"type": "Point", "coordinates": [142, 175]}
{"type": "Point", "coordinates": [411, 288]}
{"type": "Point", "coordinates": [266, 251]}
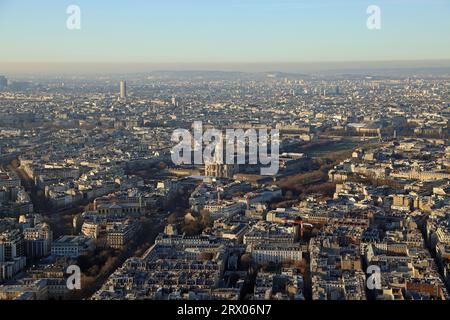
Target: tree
{"type": "Point", "coordinates": [301, 265]}
{"type": "Point", "coordinates": [192, 228]}
{"type": "Point", "coordinates": [162, 165]}
{"type": "Point", "coordinates": [206, 218]}
{"type": "Point", "coordinates": [172, 219]}
{"type": "Point", "coordinates": [206, 256]}
{"type": "Point", "coordinates": [246, 261]}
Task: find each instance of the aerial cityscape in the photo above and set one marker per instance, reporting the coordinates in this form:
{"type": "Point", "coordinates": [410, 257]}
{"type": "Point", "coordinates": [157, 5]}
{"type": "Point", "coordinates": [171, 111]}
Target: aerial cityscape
{"type": "Point", "coordinates": [224, 180]}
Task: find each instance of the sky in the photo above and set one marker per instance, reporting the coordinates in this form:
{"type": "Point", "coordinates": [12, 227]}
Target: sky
{"type": "Point", "coordinates": [218, 32]}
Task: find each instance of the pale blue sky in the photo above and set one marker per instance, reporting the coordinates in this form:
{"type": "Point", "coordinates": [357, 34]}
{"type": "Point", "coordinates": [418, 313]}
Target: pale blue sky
{"type": "Point", "coordinates": [222, 31]}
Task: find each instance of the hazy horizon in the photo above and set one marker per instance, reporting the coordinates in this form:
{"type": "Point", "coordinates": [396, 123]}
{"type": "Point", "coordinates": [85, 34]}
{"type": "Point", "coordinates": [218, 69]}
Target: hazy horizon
{"type": "Point", "coordinates": [292, 67]}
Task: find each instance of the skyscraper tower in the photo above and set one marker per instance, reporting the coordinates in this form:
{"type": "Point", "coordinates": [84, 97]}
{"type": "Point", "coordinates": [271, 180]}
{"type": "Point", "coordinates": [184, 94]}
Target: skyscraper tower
{"type": "Point", "coordinates": [3, 82]}
{"type": "Point", "coordinates": [123, 90]}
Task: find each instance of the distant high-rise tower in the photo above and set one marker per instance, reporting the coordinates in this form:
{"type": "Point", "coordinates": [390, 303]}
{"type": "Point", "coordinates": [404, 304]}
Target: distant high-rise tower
{"type": "Point", "coordinates": [3, 82]}
{"type": "Point", "coordinates": [123, 89]}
